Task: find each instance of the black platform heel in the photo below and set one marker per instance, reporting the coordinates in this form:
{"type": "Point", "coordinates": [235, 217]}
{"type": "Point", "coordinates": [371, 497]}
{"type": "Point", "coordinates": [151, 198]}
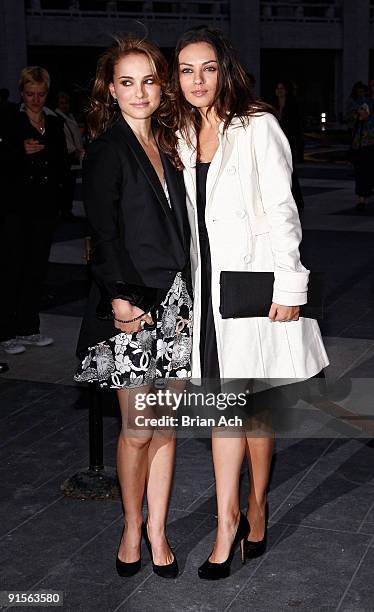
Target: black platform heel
{"type": "Point", "coordinates": [256, 549]}
{"type": "Point", "coordinates": [164, 571]}
{"type": "Point", "coordinates": [125, 570]}
{"type": "Point", "coordinates": [216, 571]}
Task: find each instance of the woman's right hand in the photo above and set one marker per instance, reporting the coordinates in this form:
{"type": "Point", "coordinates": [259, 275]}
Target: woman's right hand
{"type": "Point", "coordinates": [32, 146]}
{"type": "Point", "coordinates": [125, 311]}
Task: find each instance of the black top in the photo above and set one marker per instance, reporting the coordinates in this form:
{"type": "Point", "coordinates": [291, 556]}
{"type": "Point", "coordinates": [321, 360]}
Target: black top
{"type": "Point", "coordinates": [48, 166]}
{"type": "Point", "coordinates": [137, 238]}
{"type": "Point", "coordinates": [33, 180]}
{"type": "Point", "coordinates": [208, 343]}
{"type": "Point", "coordinates": [201, 176]}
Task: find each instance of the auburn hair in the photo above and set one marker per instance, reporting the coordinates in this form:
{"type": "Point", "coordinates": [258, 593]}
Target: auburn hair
{"type": "Point", "coordinates": [102, 113]}
{"type": "Point", "coordinates": [233, 98]}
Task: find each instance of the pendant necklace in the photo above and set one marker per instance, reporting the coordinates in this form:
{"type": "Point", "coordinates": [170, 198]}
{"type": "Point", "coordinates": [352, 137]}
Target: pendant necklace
{"type": "Point", "coordinates": [38, 125]}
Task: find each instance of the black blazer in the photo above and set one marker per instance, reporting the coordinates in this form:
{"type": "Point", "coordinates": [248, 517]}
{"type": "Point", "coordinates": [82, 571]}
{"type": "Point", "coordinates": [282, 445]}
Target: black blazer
{"type": "Point", "coordinates": [32, 180]}
{"type": "Point", "coordinates": [137, 238]}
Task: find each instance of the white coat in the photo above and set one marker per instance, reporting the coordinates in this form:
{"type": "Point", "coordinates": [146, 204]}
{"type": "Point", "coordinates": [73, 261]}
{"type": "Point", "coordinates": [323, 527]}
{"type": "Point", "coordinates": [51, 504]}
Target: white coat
{"type": "Point", "coordinates": [253, 224]}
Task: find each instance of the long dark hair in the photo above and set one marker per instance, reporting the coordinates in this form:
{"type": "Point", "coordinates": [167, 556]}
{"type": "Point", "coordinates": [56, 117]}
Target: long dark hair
{"type": "Point", "coordinates": [234, 96]}
{"type": "Point", "coordinates": [102, 112]}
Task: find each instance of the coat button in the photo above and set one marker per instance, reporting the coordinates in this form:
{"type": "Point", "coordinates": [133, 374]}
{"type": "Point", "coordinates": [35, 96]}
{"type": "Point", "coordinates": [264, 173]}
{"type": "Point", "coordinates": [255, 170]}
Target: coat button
{"type": "Point", "coordinates": [231, 170]}
{"type": "Point", "coordinates": [241, 213]}
{"type": "Point", "coordinates": [247, 258]}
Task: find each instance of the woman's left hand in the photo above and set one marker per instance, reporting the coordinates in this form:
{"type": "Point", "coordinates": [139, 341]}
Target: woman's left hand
{"type": "Point", "coordinates": [284, 313]}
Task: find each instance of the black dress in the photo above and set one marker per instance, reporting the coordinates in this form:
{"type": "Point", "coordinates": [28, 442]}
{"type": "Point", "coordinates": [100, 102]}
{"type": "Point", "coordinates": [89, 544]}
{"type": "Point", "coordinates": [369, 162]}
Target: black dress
{"type": "Point", "coordinates": [208, 343]}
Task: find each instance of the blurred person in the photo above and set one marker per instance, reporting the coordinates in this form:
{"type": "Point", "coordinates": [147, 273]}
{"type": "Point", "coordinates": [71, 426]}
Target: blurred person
{"type": "Point", "coordinates": [291, 123]}
{"type": "Point", "coordinates": [4, 100]}
{"type": "Point", "coordinates": [137, 326]}
{"type": "Point", "coordinates": [38, 141]}
{"type": "Point", "coordinates": [359, 94]}
{"type": "Point", "coordinates": [360, 119]}
{"type": "Point", "coordinates": [290, 118]}
{"type": "Point", "coordinates": [75, 148]}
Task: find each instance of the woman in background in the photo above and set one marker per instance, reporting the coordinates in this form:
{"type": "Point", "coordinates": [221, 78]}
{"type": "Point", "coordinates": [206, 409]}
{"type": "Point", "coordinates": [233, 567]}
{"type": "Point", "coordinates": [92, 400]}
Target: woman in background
{"type": "Point", "coordinates": [360, 118]}
{"type": "Point", "coordinates": [38, 143]}
{"type": "Point", "coordinates": [290, 120]}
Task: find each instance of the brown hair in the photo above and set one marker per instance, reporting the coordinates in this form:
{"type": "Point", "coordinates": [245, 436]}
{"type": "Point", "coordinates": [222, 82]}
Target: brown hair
{"type": "Point", "coordinates": [34, 74]}
{"type": "Point", "coordinates": [234, 97]}
{"type": "Point", "coordinates": [102, 112]}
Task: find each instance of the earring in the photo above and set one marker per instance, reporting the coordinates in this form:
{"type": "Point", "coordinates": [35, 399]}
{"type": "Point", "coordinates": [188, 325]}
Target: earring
{"type": "Point", "coordinates": [115, 102]}
{"type": "Point", "coordinates": [162, 97]}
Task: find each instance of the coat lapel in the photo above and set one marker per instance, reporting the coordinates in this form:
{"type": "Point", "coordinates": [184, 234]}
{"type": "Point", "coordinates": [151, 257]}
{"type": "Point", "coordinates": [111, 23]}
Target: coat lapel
{"type": "Point", "coordinates": [177, 193]}
{"type": "Point", "coordinates": [145, 166]}
{"type": "Point", "coordinates": [214, 169]}
{"type": "Point", "coordinates": [188, 157]}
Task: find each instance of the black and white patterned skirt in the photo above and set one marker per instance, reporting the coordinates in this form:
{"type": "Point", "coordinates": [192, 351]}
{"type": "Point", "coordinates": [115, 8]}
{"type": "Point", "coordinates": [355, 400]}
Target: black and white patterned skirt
{"type": "Point", "coordinates": [137, 359]}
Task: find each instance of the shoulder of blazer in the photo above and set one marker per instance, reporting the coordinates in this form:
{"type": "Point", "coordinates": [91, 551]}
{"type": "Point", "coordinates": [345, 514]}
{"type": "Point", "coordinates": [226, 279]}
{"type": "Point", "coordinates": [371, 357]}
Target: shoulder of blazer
{"type": "Point", "coordinates": [112, 136]}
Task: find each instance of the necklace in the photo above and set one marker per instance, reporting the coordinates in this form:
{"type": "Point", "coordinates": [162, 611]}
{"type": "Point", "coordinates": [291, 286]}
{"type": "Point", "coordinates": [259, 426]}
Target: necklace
{"type": "Point", "coordinates": [39, 125]}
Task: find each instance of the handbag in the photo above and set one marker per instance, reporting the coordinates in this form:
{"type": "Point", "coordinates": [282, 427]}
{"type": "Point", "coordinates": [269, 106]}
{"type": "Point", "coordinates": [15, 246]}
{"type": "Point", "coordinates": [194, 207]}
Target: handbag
{"type": "Point", "coordinates": [250, 294]}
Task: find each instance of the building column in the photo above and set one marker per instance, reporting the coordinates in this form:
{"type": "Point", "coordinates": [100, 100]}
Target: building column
{"type": "Point", "coordinates": [13, 47]}
{"type": "Point", "coordinates": [245, 28]}
{"type": "Point", "coordinates": [355, 43]}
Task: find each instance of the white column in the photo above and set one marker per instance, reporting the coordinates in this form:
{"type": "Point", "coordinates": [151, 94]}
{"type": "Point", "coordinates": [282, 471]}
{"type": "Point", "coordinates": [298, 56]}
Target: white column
{"type": "Point", "coordinates": [13, 49]}
{"type": "Point", "coordinates": [245, 34]}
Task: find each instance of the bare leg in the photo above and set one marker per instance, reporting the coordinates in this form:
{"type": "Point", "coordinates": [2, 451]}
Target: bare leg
{"type": "Point", "coordinates": [161, 456]}
{"type": "Point", "coordinates": [259, 454]}
{"type": "Point", "coordinates": [132, 465]}
{"type": "Point", "coordinates": [228, 455]}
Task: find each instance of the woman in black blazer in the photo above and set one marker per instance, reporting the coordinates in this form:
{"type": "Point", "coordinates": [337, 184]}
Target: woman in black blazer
{"type": "Point", "coordinates": [137, 327]}
{"type": "Point", "coordinates": [36, 152]}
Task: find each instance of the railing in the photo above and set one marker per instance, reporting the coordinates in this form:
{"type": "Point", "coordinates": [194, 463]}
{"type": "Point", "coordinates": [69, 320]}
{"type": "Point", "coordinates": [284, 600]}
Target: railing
{"type": "Point", "coordinates": [146, 10]}
{"type": "Point", "coordinates": [301, 11]}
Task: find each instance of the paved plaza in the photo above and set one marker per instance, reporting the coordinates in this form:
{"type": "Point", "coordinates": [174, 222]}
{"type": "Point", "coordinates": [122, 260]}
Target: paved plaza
{"type": "Point", "coordinates": [321, 531]}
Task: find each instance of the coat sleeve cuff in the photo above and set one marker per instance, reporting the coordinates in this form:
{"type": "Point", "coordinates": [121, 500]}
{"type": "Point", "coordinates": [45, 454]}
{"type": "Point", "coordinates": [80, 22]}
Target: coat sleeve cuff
{"type": "Point", "coordinates": [286, 298]}
{"type": "Point", "coordinates": [290, 288]}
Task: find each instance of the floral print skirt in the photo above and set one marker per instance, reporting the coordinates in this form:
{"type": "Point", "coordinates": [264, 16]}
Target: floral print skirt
{"type": "Point", "coordinates": [137, 359]}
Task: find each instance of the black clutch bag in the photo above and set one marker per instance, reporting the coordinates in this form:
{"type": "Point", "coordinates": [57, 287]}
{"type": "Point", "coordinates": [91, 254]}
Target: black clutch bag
{"type": "Point", "coordinates": [250, 294]}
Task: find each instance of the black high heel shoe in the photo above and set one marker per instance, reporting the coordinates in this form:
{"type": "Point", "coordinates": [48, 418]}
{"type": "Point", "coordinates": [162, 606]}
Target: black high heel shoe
{"type": "Point", "coordinates": [165, 571]}
{"type": "Point", "coordinates": [125, 570]}
{"type": "Point", "coordinates": [253, 550]}
{"type": "Point", "coordinates": [216, 571]}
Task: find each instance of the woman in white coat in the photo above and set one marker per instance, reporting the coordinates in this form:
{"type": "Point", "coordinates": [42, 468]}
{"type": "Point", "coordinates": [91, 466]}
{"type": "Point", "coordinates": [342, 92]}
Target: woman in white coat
{"type": "Point", "coordinates": [237, 168]}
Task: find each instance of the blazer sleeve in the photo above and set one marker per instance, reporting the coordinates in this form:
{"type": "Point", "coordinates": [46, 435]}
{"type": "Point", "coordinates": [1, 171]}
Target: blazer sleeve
{"type": "Point", "coordinates": [101, 194]}
{"type": "Point", "coordinates": [274, 170]}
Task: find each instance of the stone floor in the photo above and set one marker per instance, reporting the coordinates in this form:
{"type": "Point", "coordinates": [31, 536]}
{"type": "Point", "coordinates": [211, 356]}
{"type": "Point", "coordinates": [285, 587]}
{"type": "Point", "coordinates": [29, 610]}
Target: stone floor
{"type": "Point", "coordinates": [321, 530]}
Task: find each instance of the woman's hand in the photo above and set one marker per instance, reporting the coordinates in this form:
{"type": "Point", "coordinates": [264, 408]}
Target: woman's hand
{"type": "Point", "coordinates": [125, 311]}
{"type": "Point", "coordinates": [32, 146]}
{"type": "Point", "coordinates": [284, 313]}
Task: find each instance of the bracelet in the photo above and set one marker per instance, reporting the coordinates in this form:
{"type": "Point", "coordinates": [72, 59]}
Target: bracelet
{"type": "Point", "coordinates": [130, 320]}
